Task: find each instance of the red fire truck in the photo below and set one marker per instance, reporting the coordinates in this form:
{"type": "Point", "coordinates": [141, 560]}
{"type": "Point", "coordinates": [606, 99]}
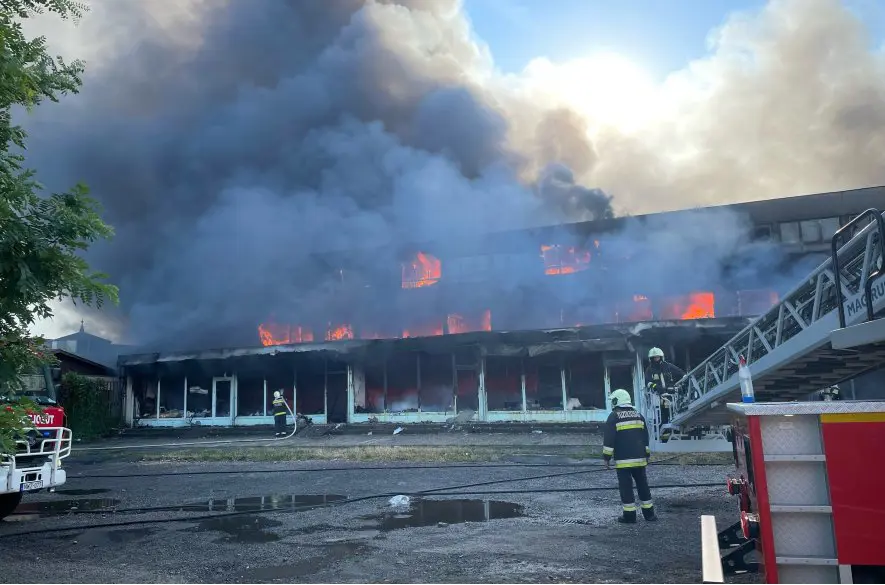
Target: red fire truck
{"type": "Point", "coordinates": [36, 463]}
{"type": "Point", "coordinates": [809, 500]}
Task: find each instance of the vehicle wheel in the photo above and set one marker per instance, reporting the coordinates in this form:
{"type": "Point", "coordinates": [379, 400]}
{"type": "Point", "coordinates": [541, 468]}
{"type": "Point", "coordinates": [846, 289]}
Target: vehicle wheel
{"type": "Point", "coordinates": [8, 503]}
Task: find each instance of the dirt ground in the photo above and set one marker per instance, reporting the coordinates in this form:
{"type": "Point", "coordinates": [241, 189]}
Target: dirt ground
{"type": "Point", "coordinates": [552, 532]}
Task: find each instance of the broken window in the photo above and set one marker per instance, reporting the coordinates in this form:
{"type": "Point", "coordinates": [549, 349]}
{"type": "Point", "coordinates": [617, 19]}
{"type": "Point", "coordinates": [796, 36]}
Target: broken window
{"type": "Point", "coordinates": [437, 381]}
{"type": "Point", "coordinates": [543, 383]}
{"type": "Point", "coordinates": [467, 382]}
{"type": "Point", "coordinates": [402, 382]}
{"type": "Point", "coordinates": [336, 392]}
{"type": "Point", "coordinates": [585, 382]}
{"type": "Point", "coordinates": [172, 397]}
{"type": "Point", "coordinates": [374, 400]}
{"type": "Point", "coordinates": [250, 394]}
{"type": "Point", "coordinates": [503, 382]}
{"type": "Point", "coordinates": [199, 393]}
{"type": "Point", "coordinates": [144, 391]}
{"type": "Point", "coordinates": [310, 376]}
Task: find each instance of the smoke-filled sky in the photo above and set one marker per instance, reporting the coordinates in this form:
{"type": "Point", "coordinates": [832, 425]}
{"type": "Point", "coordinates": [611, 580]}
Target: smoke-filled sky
{"type": "Point", "coordinates": [228, 140]}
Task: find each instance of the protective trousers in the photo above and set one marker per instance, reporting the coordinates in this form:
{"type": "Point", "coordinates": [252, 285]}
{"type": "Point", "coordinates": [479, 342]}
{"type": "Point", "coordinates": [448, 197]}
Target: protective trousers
{"type": "Point", "coordinates": [626, 477]}
{"type": "Point", "coordinates": [279, 422]}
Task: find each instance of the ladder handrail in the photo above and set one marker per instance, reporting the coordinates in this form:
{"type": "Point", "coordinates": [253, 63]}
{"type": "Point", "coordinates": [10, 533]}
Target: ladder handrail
{"type": "Point", "coordinates": [876, 216]}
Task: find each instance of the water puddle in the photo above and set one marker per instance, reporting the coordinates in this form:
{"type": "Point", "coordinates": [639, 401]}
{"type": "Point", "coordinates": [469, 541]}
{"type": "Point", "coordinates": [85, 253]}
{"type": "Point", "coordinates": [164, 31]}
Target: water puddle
{"type": "Point", "coordinates": [82, 492]}
{"type": "Point", "coordinates": [240, 529]}
{"type": "Point", "coordinates": [445, 512]}
{"type": "Point", "coordinates": [32, 510]}
{"type": "Point", "coordinates": [290, 503]}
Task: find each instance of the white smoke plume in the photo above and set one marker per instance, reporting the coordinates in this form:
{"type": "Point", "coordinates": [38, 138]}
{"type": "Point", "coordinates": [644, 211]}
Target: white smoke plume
{"type": "Point", "coordinates": [229, 141]}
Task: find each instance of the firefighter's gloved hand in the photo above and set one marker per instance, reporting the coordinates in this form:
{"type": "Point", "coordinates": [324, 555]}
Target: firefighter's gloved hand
{"type": "Point", "coordinates": [652, 386]}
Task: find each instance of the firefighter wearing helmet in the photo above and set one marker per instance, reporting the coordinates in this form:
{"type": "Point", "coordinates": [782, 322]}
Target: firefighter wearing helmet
{"type": "Point", "coordinates": [279, 413]}
{"type": "Point", "coordinates": [626, 441]}
{"type": "Point", "coordinates": [661, 377]}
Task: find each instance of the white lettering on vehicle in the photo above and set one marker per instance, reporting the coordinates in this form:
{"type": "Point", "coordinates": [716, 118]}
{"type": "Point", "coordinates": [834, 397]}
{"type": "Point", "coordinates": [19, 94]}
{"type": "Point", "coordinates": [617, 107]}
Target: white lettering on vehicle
{"type": "Point", "coordinates": [43, 419]}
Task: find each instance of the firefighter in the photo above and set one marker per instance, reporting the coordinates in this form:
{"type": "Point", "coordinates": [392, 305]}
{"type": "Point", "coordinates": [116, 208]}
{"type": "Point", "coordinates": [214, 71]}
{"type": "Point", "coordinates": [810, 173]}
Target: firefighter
{"type": "Point", "coordinates": [661, 377]}
{"type": "Point", "coordinates": [280, 410]}
{"type": "Point", "coordinates": [626, 441]}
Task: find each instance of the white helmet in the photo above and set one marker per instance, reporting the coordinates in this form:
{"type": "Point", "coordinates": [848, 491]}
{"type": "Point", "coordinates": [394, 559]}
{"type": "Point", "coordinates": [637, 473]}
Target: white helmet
{"type": "Point", "coordinates": [620, 397]}
{"type": "Point", "coordinates": [656, 352]}
{"type": "Point", "coordinates": [277, 393]}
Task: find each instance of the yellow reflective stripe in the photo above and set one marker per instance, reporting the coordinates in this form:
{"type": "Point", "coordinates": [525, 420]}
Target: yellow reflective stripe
{"type": "Point", "coordinates": [630, 463]}
{"type": "Point", "coordinates": [629, 507]}
{"type": "Point", "coordinates": [629, 424]}
{"type": "Point", "coordinates": [647, 505]}
{"type": "Point", "coordinates": [853, 417]}
{"type": "Point", "coordinates": [608, 450]}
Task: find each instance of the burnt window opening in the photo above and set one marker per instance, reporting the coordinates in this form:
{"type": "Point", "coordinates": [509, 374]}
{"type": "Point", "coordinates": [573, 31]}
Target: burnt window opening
{"type": "Point", "coordinates": [310, 381]}
{"type": "Point", "coordinates": [467, 389]}
{"type": "Point", "coordinates": [199, 391]}
{"type": "Point", "coordinates": [250, 394]}
{"type": "Point", "coordinates": [172, 396]}
{"type": "Point", "coordinates": [372, 397]}
{"type": "Point", "coordinates": [144, 391]}
{"type": "Point", "coordinates": [436, 388]}
{"type": "Point", "coordinates": [543, 383]}
{"type": "Point", "coordinates": [402, 383]}
{"type": "Point", "coordinates": [280, 376]}
{"type": "Point", "coordinates": [336, 392]}
{"type": "Point", "coordinates": [585, 382]}
{"type": "Point", "coordinates": [503, 382]}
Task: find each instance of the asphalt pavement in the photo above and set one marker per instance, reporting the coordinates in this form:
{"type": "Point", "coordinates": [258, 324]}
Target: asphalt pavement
{"type": "Point", "coordinates": [318, 522]}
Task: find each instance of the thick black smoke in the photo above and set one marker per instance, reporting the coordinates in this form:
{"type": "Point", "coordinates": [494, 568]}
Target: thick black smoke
{"type": "Point", "coordinates": [235, 143]}
{"type": "Point", "coordinates": [287, 128]}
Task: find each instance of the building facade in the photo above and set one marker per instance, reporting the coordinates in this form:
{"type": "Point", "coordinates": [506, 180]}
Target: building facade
{"type": "Point", "coordinates": [536, 325]}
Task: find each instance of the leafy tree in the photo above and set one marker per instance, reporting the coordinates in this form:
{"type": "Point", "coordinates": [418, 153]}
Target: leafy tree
{"type": "Point", "coordinates": [41, 234]}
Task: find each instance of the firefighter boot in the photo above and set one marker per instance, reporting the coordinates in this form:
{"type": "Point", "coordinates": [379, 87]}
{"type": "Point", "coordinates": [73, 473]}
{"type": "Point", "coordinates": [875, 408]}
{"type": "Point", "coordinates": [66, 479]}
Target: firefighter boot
{"type": "Point", "coordinates": [648, 512]}
{"type": "Point", "coordinates": [629, 515]}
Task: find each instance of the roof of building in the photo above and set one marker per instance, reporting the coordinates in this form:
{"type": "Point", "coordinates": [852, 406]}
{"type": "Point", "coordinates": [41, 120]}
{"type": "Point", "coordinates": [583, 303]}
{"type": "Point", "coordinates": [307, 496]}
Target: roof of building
{"type": "Point", "coordinates": [83, 335]}
{"type": "Point", "coordinates": [66, 355]}
{"type": "Point", "coordinates": [527, 343]}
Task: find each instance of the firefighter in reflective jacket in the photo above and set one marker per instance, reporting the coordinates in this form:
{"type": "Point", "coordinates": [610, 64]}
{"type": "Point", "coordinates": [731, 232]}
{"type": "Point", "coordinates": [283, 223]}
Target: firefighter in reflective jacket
{"type": "Point", "coordinates": [661, 377]}
{"type": "Point", "coordinates": [279, 413]}
{"type": "Point", "coordinates": [626, 441]}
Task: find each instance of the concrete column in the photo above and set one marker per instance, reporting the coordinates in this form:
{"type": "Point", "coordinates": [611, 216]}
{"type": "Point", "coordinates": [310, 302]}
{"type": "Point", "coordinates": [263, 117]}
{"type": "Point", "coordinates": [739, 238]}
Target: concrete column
{"type": "Point", "coordinates": [481, 389]}
{"type": "Point", "coordinates": [128, 403]}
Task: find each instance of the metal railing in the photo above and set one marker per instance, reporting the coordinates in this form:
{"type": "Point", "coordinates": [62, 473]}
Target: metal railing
{"type": "Point", "coordinates": [848, 273]}
{"type": "Point", "coordinates": [57, 445]}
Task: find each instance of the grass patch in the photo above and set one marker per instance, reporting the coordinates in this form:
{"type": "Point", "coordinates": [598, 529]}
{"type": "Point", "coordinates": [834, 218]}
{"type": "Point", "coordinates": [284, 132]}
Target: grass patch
{"type": "Point", "coordinates": [448, 454]}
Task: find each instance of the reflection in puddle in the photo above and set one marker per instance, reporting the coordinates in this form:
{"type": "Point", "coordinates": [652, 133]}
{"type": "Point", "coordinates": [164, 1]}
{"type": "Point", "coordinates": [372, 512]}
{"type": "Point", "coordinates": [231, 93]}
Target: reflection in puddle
{"type": "Point", "coordinates": [435, 512]}
{"type": "Point", "coordinates": [81, 492]}
{"type": "Point", "coordinates": [242, 529]}
{"type": "Point", "coordinates": [291, 503]}
{"type": "Point", "coordinates": [30, 510]}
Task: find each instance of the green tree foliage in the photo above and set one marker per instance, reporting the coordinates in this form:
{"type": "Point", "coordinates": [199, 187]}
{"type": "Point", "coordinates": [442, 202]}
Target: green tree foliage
{"type": "Point", "coordinates": [42, 235]}
{"type": "Point", "coordinates": [87, 403]}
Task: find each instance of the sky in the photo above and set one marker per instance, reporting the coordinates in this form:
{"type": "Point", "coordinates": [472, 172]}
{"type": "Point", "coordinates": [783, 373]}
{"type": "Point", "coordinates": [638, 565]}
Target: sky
{"type": "Point", "coordinates": [661, 37]}
{"type": "Point", "coordinates": [663, 105]}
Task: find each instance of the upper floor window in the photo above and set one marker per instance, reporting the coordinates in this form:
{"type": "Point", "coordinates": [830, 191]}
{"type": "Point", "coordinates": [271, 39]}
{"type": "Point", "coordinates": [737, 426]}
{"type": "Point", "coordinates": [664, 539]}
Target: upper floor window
{"type": "Point", "coordinates": [812, 231]}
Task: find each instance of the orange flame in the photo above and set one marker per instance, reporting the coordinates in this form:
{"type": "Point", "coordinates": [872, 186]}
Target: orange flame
{"type": "Point", "coordinates": [428, 330]}
{"type": "Point", "coordinates": [561, 260]}
{"type": "Point", "coordinates": [276, 334]}
{"type": "Point", "coordinates": [458, 324]}
{"type": "Point", "coordinates": [340, 332]}
{"type": "Point", "coordinates": [423, 270]}
{"type": "Point", "coordinates": [697, 305]}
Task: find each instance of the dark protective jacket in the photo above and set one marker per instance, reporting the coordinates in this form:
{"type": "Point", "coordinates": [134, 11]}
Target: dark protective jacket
{"type": "Point", "coordinates": [279, 406]}
{"type": "Point", "coordinates": [626, 438]}
{"type": "Point", "coordinates": [660, 378]}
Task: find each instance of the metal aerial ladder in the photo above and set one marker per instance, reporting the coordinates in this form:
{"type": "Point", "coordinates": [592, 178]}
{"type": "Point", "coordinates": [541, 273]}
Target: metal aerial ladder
{"type": "Point", "coordinates": [795, 348]}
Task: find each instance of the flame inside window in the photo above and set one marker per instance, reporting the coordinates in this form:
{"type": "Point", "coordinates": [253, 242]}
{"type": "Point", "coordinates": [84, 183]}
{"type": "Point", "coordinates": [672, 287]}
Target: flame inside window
{"type": "Point", "coordinates": [458, 324]}
{"type": "Point", "coordinates": [697, 305]}
{"type": "Point", "coordinates": [336, 333]}
{"type": "Point", "coordinates": [560, 259]}
{"type": "Point", "coordinates": [276, 334]}
{"type": "Point", "coordinates": [423, 270]}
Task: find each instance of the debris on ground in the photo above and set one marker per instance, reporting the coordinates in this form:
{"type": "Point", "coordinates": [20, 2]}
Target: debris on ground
{"type": "Point", "coordinates": [398, 501]}
{"type": "Point", "coordinates": [397, 430]}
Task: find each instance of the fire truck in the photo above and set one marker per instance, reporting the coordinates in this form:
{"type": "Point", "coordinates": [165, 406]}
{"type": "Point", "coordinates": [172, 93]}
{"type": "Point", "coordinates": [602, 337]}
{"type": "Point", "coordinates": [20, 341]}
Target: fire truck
{"type": "Point", "coordinates": [36, 463]}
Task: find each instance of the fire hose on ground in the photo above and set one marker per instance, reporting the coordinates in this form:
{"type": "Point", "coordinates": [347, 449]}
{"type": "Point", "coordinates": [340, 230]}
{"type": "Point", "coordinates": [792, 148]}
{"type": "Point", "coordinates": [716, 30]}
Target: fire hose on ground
{"type": "Point", "coordinates": [449, 492]}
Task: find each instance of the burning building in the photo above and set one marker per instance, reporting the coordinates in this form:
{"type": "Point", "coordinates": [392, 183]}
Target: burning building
{"type": "Point", "coordinates": [529, 325]}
